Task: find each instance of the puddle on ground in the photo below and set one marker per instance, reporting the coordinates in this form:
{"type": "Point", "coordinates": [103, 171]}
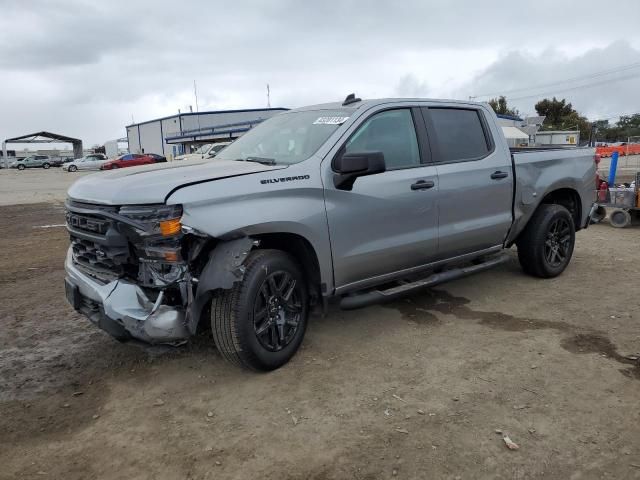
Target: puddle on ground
{"type": "Point", "coordinates": [588, 343]}
{"type": "Point", "coordinates": [420, 308]}
{"type": "Point", "coordinates": [429, 301]}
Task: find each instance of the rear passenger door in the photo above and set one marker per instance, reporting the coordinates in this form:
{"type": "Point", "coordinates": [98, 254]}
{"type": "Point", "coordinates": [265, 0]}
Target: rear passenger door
{"type": "Point", "coordinates": [475, 180]}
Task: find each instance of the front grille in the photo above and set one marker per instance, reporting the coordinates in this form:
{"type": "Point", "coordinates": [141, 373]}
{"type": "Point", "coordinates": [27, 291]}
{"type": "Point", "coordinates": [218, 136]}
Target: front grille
{"type": "Point", "coordinates": [99, 248]}
{"type": "Point", "coordinates": [96, 258]}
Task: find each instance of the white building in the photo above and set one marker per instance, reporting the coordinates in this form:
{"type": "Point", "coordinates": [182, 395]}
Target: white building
{"type": "Point", "coordinates": [171, 136]}
{"type": "Point", "coordinates": [513, 131]}
{"type": "Point", "coordinates": [558, 137]}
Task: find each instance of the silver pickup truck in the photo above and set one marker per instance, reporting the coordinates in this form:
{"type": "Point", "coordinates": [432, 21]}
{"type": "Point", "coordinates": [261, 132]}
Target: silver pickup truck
{"type": "Point", "coordinates": [359, 200]}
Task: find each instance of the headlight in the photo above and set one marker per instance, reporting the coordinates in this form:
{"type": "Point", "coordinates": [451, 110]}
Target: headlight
{"type": "Point", "coordinates": [157, 236]}
{"type": "Point", "coordinates": [163, 220]}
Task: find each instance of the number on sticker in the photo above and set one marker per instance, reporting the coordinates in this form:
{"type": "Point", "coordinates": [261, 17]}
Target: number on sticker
{"type": "Point", "coordinates": [330, 120]}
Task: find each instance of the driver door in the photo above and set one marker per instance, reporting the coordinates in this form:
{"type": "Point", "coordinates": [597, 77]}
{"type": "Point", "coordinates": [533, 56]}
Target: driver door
{"type": "Point", "coordinates": [387, 222]}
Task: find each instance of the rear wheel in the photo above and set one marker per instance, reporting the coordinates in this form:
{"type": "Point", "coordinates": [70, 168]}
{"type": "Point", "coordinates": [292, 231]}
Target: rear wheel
{"type": "Point", "coordinates": [619, 218]}
{"type": "Point", "coordinates": [45, 166]}
{"type": "Point", "coordinates": [261, 321]}
{"type": "Point", "coordinates": [546, 244]}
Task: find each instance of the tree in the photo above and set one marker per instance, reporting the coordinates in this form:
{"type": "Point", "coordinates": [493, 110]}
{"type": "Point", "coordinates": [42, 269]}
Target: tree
{"type": "Point", "coordinates": [500, 106]}
{"type": "Point", "coordinates": [561, 115]}
{"type": "Point", "coordinates": [627, 126]}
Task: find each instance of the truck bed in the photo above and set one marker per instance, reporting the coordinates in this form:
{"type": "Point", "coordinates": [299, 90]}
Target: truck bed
{"type": "Point", "coordinates": [538, 171]}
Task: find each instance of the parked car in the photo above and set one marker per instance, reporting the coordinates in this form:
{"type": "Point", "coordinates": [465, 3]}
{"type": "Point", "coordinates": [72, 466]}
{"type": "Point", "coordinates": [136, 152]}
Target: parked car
{"type": "Point", "coordinates": [361, 200]}
{"type": "Point", "coordinates": [8, 163]}
{"type": "Point", "coordinates": [128, 160]}
{"type": "Point", "coordinates": [157, 158]}
{"type": "Point", "coordinates": [33, 161]}
{"type": "Point", "coordinates": [90, 162]}
{"type": "Point", "coordinates": [209, 150]}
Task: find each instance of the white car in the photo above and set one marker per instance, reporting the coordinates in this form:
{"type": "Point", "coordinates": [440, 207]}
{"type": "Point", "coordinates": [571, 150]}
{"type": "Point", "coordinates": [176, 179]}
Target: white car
{"type": "Point", "coordinates": [90, 162]}
{"type": "Point", "coordinates": [208, 150]}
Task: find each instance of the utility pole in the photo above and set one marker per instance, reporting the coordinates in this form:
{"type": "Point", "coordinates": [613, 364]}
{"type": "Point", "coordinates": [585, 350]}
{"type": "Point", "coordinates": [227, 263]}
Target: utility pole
{"type": "Point", "coordinates": [195, 93]}
{"type": "Point", "coordinates": [268, 96]}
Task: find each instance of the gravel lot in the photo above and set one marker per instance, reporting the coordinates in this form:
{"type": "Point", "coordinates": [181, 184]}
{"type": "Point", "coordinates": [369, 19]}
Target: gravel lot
{"type": "Point", "coordinates": [413, 389]}
{"type": "Point", "coordinates": [35, 185]}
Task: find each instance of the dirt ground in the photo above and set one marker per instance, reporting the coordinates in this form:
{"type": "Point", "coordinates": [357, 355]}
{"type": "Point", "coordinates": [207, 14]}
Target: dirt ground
{"type": "Point", "coordinates": [418, 388]}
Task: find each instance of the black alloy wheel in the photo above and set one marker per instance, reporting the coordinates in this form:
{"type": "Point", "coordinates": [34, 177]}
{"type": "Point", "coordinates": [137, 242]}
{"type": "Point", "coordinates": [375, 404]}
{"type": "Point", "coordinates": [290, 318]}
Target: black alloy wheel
{"type": "Point", "coordinates": [558, 243]}
{"type": "Point", "coordinates": [546, 244]}
{"type": "Point", "coordinates": [259, 323]}
{"type": "Point", "coordinates": [277, 310]}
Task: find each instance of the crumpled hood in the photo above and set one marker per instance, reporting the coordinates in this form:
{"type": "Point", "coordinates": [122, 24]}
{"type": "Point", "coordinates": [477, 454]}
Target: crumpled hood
{"type": "Point", "coordinates": [152, 183]}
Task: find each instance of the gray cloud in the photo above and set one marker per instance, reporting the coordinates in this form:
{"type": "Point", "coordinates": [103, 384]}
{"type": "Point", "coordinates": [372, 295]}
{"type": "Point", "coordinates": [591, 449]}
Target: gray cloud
{"type": "Point", "coordinates": [85, 67]}
{"type": "Point", "coordinates": [526, 78]}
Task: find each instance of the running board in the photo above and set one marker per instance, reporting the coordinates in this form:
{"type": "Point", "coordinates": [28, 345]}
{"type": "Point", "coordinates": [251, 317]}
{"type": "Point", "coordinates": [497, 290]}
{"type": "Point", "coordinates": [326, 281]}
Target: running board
{"type": "Point", "coordinates": [371, 297]}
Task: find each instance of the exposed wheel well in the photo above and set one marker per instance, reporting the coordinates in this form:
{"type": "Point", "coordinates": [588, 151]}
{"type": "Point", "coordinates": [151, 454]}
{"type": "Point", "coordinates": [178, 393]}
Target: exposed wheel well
{"type": "Point", "coordinates": [568, 198]}
{"type": "Point", "coordinates": [300, 248]}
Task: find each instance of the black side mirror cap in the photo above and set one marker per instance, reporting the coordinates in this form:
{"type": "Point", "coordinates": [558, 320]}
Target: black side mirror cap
{"type": "Point", "coordinates": [350, 166]}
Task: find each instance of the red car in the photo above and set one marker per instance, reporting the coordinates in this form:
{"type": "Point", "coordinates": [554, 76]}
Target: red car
{"type": "Point", "coordinates": [128, 160]}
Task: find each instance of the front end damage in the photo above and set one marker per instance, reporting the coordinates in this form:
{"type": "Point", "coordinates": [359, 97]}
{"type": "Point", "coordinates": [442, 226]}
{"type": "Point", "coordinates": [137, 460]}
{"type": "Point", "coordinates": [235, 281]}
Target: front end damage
{"type": "Point", "coordinates": [137, 272]}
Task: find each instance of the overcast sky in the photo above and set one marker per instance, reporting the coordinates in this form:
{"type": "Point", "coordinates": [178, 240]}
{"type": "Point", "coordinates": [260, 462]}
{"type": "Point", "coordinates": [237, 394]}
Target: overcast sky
{"type": "Point", "coordinates": [85, 68]}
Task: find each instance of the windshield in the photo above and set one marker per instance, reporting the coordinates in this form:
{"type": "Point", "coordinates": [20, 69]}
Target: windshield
{"type": "Point", "coordinates": [286, 138]}
{"type": "Point", "coordinates": [203, 148]}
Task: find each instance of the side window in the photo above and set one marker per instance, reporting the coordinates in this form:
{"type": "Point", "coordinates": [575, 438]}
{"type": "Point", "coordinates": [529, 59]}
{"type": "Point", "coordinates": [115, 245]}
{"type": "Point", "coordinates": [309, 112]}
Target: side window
{"type": "Point", "coordinates": [391, 132]}
{"type": "Point", "coordinates": [459, 133]}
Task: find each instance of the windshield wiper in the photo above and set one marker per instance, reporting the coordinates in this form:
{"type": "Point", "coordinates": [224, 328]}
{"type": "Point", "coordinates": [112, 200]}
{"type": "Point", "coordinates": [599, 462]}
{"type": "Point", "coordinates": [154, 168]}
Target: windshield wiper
{"type": "Point", "coordinates": [262, 160]}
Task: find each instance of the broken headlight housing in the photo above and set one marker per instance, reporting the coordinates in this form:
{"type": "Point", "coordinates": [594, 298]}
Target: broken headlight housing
{"type": "Point", "coordinates": [156, 235]}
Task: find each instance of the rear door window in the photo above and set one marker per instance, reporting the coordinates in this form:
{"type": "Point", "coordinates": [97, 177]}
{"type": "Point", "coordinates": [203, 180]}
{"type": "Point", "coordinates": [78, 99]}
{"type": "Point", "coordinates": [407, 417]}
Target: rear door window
{"type": "Point", "coordinates": [459, 133]}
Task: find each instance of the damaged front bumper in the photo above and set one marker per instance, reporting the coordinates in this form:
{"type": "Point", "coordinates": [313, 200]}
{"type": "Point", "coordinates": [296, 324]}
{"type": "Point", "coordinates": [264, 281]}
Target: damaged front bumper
{"type": "Point", "coordinates": [122, 309]}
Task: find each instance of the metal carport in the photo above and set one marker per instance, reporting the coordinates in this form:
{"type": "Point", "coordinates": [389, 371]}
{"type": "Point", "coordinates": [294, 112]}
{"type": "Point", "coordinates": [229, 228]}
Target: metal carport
{"type": "Point", "coordinates": [43, 137]}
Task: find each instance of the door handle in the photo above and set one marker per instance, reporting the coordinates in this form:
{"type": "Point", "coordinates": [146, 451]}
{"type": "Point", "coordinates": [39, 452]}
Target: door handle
{"type": "Point", "coordinates": [498, 175]}
{"type": "Point", "coordinates": [423, 185]}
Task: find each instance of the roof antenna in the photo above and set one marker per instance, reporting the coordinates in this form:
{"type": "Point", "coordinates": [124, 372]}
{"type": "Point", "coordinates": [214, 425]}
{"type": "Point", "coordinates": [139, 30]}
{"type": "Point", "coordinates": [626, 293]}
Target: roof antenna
{"type": "Point", "coordinates": [351, 98]}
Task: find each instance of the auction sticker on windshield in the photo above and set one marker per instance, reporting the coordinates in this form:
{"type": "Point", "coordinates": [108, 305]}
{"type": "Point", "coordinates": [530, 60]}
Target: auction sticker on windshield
{"type": "Point", "coordinates": [330, 120]}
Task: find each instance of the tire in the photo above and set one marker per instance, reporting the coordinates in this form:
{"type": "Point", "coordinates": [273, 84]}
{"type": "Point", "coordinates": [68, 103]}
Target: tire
{"type": "Point", "coordinates": [245, 320]}
{"type": "Point", "coordinates": [21, 167]}
{"type": "Point", "coordinates": [598, 215]}
{"type": "Point", "coordinates": [546, 244]}
{"type": "Point", "coordinates": [73, 168]}
{"type": "Point", "coordinates": [45, 166]}
{"type": "Point", "coordinates": [619, 218]}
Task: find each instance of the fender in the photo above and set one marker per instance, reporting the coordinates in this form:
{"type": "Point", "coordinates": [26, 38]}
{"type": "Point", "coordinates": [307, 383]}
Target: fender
{"type": "Point", "coordinates": [223, 269]}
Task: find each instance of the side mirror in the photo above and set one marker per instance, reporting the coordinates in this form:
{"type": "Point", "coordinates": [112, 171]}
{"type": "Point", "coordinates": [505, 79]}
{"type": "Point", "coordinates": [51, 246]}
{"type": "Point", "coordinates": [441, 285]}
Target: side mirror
{"type": "Point", "coordinates": [350, 166]}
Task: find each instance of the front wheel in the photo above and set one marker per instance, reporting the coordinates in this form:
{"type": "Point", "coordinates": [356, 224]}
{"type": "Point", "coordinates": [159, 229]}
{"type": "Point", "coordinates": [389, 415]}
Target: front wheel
{"type": "Point", "coordinates": [546, 244]}
{"type": "Point", "coordinates": [73, 168]}
{"type": "Point", "coordinates": [260, 322]}
{"type": "Point", "coordinates": [21, 167]}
